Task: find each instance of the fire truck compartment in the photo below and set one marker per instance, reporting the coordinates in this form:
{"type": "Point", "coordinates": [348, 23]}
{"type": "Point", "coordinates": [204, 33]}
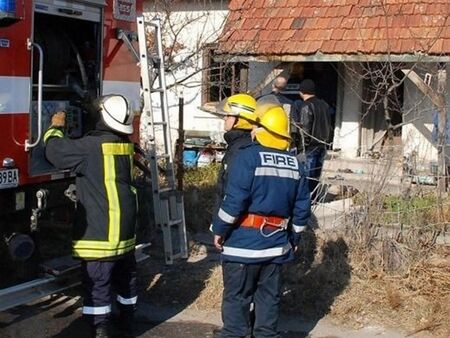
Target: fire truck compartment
{"type": "Point", "coordinates": [70, 35]}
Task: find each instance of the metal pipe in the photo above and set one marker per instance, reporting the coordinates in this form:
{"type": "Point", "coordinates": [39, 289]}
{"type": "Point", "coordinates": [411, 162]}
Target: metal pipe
{"type": "Point", "coordinates": [30, 46]}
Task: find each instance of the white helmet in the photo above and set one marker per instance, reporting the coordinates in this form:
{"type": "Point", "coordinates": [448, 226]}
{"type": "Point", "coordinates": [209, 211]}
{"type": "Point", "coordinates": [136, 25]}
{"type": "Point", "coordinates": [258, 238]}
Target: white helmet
{"type": "Point", "coordinates": [117, 113]}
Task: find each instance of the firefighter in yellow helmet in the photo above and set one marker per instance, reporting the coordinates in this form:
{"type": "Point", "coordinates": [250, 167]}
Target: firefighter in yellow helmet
{"type": "Point", "coordinates": [238, 112]}
{"type": "Point", "coordinates": [273, 126]}
{"type": "Point", "coordinates": [258, 225]}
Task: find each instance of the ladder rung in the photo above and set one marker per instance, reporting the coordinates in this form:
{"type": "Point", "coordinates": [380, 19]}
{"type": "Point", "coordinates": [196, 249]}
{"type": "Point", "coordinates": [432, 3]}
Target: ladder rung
{"type": "Point", "coordinates": [163, 156]}
{"type": "Point", "coordinates": [165, 190]}
{"type": "Point", "coordinates": [157, 90]}
{"type": "Point", "coordinates": [164, 123]}
{"type": "Point", "coordinates": [175, 221]}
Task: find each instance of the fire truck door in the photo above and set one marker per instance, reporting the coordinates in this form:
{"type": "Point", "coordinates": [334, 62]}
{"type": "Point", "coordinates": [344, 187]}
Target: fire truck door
{"type": "Point", "coordinates": [68, 33]}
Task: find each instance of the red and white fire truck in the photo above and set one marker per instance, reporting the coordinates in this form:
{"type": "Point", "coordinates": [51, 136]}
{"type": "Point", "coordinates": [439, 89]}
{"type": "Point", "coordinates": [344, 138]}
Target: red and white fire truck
{"type": "Point", "coordinates": [54, 54]}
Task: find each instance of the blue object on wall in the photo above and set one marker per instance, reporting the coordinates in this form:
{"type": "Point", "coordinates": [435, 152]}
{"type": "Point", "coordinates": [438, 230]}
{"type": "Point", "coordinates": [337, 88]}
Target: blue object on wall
{"type": "Point", "coordinates": [190, 158]}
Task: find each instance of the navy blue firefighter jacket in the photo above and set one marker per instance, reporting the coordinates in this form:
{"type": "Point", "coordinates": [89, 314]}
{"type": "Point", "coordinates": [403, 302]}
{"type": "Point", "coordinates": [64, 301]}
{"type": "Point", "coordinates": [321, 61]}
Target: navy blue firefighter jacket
{"type": "Point", "coordinates": [267, 182]}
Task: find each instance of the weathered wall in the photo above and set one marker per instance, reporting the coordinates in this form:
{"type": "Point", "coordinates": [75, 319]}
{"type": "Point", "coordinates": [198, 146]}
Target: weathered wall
{"type": "Point", "coordinates": [418, 110]}
{"type": "Point", "coordinates": [196, 23]}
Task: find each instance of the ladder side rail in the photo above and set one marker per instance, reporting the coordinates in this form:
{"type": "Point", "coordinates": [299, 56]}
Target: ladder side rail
{"type": "Point", "coordinates": [163, 95]}
{"type": "Point", "coordinates": [147, 110]}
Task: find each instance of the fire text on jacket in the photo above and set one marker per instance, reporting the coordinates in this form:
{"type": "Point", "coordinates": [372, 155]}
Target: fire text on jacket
{"type": "Point", "coordinates": [278, 160]}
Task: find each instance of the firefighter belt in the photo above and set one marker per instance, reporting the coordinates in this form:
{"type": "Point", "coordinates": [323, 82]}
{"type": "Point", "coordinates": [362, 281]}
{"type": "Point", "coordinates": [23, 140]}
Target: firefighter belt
{"type": "Point", "coordinates": [273, 223]}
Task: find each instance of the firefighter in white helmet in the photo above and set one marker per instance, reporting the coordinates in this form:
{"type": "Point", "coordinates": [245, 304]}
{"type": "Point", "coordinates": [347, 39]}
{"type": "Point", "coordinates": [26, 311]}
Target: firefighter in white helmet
{"type": "Point", "coordinates": [258, 226]}
{"type": "Point", "coordinates": [104, 226]}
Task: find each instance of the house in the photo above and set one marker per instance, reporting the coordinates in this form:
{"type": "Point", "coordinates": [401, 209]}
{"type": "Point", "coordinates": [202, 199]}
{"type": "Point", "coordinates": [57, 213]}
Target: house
{"type": "Point", "coordinates": [362, 55]}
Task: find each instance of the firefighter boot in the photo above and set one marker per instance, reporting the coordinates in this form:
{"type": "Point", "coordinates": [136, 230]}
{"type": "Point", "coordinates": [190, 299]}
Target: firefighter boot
{"type": "Point", "coordinates": [125, 321]}
{"type": "Point", "coordinates": [103, 330]}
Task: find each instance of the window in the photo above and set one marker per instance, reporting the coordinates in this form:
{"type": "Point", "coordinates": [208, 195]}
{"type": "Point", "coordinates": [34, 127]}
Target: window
{"type": "Point", "coordinates": [222, 79]}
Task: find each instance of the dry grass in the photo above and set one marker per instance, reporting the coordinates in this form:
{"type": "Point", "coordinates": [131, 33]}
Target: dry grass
{"type": "Point", "coordinates": [338, 282]}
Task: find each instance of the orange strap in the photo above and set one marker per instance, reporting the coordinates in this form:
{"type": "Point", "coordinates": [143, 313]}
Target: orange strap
{"type": "Point", "coordinates": [256, 221]}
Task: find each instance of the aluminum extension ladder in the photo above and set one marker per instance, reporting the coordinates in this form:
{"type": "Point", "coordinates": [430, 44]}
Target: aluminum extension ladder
{"type": "Point", "coordinates": [167, 200]}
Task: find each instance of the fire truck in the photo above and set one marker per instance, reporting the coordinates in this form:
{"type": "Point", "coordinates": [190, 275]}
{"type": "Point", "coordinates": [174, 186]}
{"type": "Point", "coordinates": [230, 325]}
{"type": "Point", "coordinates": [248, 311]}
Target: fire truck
{"type": "Point", "coordinates": [54, 54]}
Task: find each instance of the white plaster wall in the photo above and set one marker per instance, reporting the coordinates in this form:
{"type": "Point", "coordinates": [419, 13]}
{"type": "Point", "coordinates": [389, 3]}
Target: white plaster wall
{"type": "Point", "coordinates": [346, 136]}
{"type": "Point", "coordinates": [198, 23]}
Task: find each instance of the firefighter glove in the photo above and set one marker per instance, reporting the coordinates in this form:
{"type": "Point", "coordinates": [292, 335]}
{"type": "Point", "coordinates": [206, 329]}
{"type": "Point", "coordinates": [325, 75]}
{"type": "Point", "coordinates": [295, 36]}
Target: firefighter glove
{"type": "Point", "coordinates": [59, 119]}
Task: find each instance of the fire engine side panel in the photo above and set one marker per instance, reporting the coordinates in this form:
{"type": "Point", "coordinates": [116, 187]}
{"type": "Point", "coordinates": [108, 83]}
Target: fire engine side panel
{"type": "Point", "coordinates": [120, 73]}
{"type": "Point", "coordinates": [15, 82]}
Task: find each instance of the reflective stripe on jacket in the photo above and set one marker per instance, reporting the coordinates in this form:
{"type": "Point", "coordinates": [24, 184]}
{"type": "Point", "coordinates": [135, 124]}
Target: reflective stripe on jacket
{"type": "Point", "coordinates": [104, 225]}
{"type": "Point", "coordinates": [267, 182]}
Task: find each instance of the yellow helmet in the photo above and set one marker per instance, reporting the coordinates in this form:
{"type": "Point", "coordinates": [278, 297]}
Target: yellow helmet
{"type": "Point", "coordinates": [275, 123]}
{"type": "Point", "coordinates": [242, 106]}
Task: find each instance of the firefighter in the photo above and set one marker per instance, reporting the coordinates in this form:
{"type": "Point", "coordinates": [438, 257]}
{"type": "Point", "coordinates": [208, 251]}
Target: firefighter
{"type": "Point", "coordinates": [258, 226]}
{"type": "Point", "coordinates": [104, 225]}
{"type": "Point", "coordinates": [238, 112]}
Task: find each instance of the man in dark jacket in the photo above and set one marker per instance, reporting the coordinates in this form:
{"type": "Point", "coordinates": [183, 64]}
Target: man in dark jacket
{"type": "Point", "coordinates": [276, 95]}
{"type": "Point", "coordinates": [266, 190]}
{"type": "Point", "coordinates": [315, 124]}
{"type": "Point", "coordinates": [104, 227]}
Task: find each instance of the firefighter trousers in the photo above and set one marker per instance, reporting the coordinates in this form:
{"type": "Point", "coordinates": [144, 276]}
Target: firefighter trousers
{"type": "Point", "coordinates": [100, 279]}
{"type": "Point", "coordinates": [244, 284]}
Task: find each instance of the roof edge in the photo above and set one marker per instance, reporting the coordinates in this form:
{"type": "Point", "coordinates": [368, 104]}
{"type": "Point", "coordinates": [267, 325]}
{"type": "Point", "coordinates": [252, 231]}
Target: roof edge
{"type": "Point", "coordinates": [319, 57]}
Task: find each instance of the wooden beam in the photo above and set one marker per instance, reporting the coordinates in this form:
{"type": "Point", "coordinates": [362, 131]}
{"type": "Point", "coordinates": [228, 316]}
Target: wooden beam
{"type": "Point", "coordinates": [281, 68]}
{"type": "Point", "coordinates": [437, 99]}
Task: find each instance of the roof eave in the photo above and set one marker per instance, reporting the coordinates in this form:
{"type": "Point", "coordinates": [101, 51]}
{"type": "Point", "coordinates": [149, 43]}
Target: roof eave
{"type": "Point", "coordinates": [319, 57]}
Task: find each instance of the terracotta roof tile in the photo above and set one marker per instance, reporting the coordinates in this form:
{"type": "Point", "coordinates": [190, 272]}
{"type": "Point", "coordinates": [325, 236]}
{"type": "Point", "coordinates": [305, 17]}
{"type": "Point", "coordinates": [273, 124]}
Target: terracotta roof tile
{"type": "Point", "coordinates": [320, 11]}
{"type": "Point", "coordinates": [265, 35]}
{"type": "Point", "coordinates": [420, 9]}
{"type": "Point", "coordinates": [288, 34]}
{"type": "Point", "coordinates": [286, 23]}
{"type": "Point", "coordinates": [332, 11]}
{"type": "Point", "coordinates": [437, 46]}
{"type": "Point", "coordinates": [251, 34]}
{"type": "Point", "coordinates": [338, 34]}
{"type": "Point", "coordinates": [273, 23]}
{"type": "Point", "coordinates": [356, 11]}
{"type": "Point", "coordinates": [373, 21]}
{"type": "Point", "coordinates": [271, 12]}
{"type": "Point", "coordinates": [296, 12]}
{"type": "Point", "coordinates": [335, 22]}
{"type": "Point", "coordinates": [446, 44]}
{"type": "Point", "coordinates": [308, 12]}
{"type": "Point", "coordinates": [329, 44]}
{"type": "Point", "coordinates": [310, 23]}
{"type": "Point", "coordinates": [399, 21]}
{"type": "Point", "coordinates": [368, 46]}
{"type": "Point", "coordinates": [299, 35]}
{"type": "Point", "coordinates": [407, 9]}
{"type": "Point", "coordinates": [292, 3]}
{"type": "Point", "coordinates": [284, 12]}
{"type": "Point", "coordinates": [258, 3]}
{"type": "Point", "coordinates": [322, 23]}
{"type": "Point", "coordinates": [298, 23]}
{"type": "Point", "coordinates": [446, 32]}
{"type": "Point", "coordinates": [395, 45]}
{"type": "Point", "coordinates": [337, 26]}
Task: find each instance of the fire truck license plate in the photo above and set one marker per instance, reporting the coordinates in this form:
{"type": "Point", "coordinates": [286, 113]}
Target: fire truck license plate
{"type": "Point", "coordinates": [9, 178]}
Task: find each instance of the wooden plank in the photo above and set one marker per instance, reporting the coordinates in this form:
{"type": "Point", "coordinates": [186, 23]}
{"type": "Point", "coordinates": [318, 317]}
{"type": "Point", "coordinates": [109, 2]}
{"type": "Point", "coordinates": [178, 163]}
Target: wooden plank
{"type": "Point", "coordinates": [280, 69]}
{"type": "Point", "coordinates": [437, 100]}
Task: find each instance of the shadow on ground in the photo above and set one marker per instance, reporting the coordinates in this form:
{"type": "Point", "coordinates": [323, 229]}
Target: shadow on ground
{"type": "Point", "coordinates": [312, 283]}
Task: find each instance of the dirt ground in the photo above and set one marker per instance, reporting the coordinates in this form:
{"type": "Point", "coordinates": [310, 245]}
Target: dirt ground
{"type": "Point", "coordinates": [183, 300]}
